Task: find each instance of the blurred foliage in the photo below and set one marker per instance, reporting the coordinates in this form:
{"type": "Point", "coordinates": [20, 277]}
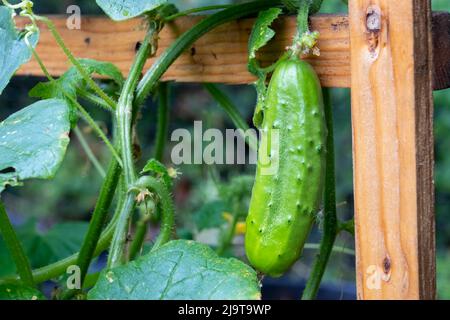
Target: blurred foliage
{"type": "Point", "coordinates": [200, 198]}
{"type": "Point", "coordinates": [443, 275]}
{"type": "Point", "coordinates": [44, 247]}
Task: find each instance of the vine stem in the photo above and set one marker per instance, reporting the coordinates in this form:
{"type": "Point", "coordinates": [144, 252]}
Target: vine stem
{"type": "Point", "coordinates": [163, 120]}
{"type": "Point", "coordinates": [124, 116]}
{"type": "Point", "coordinates": [91, 83]}
{"type": "Point", "coordinates": [96, 224]}
{"type": "Point", "coordinates": [98, 218]}
{"type": "Point", "coordinates": [139, 236]}
{"type": "Point", "coordinates": [330, 222]}
{"type": "Point", "coordinates": [116, 251]}
{"type": "Point", "coordinates": [196, 10]}
{"type": "Point", "coordinates": [89, 153]}
{"type": "Point", "coordinates": [303, 18]}
{"type": "Point", "coordinates": [230, 108]}
{"type": "Point", "coordinates": [15, 248]}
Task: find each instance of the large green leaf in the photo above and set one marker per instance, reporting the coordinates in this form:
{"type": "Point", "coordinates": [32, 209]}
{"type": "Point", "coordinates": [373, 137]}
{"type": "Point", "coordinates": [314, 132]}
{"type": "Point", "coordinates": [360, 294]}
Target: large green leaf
{"type": "Point", "coordinates": [33, 142]}
{"type": "Point", "coordinates": [179, 270]}
{"type": "Point", "coordinates": [19, 292]}
{"type": "Point", "coordinates": [13, 50]}
{"type": "Point", "coordinates": [126, 9]}
{"type": "Point", "coordinates": [61, 241]}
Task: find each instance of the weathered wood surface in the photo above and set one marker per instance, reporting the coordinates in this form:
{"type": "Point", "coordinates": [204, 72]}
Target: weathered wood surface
{"type": "Point", "coordinates": [392, 118]}
{"type": "Point", "coordinates": [219, 56]}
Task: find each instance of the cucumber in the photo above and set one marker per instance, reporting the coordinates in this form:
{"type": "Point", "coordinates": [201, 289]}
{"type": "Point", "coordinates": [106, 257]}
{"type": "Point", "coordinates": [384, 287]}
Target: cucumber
{"type": "Point", "coordinates": [284, 202]}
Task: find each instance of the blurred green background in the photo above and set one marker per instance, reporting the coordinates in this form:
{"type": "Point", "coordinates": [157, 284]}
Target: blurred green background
{"type": "Point", "coordinates": [51, 216]}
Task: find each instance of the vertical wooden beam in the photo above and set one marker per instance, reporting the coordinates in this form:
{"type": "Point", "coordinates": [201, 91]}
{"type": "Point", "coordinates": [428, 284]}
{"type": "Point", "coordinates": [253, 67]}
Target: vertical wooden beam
{"type": "Point", "coordinates": [392, 117]}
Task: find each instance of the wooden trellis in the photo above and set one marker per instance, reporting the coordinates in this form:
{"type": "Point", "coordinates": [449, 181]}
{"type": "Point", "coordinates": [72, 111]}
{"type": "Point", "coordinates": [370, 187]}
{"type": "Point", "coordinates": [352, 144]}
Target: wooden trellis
{"type": "Point", "coordinates": [392, 54]}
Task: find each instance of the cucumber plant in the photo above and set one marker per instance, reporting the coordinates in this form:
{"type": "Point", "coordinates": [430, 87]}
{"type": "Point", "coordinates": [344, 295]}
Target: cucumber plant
{"type": "Point", "coordinates": [33, 143]}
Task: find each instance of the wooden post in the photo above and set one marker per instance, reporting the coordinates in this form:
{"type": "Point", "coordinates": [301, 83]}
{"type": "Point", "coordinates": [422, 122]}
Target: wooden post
{"type": "Point", "coordinates": [392, 118]}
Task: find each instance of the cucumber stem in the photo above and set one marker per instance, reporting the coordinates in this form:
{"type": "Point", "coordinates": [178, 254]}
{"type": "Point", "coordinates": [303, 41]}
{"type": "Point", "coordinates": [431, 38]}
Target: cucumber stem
{"type": "Point", "coordinates": [330, 223]}
{"type": "Point", "coordinates": [163, 120]}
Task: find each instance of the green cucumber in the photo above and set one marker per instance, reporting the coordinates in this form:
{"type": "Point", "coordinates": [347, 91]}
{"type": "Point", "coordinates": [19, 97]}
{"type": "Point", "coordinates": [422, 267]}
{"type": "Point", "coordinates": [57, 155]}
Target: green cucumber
{"type": "Point", "coordinates": [284, 202]}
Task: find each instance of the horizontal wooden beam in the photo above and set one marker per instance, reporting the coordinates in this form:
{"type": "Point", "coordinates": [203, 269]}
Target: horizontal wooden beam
{"type": "Point", "coordinates": [221, 55]}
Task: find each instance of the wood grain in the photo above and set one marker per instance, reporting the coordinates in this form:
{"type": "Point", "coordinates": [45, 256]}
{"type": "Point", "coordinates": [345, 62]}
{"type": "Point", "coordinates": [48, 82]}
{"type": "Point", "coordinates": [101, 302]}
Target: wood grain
{"type": "Point", "coordinates": [220, 56]}
{"type": "Point", "coordinates": [441, 50]}
{"type": "Point", "coordinates": [392, 119]}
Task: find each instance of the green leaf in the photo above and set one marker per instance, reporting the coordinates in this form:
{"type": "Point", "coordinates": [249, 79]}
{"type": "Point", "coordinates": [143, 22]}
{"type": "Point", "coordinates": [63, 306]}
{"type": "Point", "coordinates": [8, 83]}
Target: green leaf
{"type": "Point", "coordinates": [61, 241]}
{"type": "Point", "coordinates": [260, 36]}
{"type": "Point", "coordinates": [102, 68]}
{"type": "Point", "coordinates": [33, 142]}
{"type": "Point", "coordinates": [71, 80]}
{"type": "Point", "coordinates": [13, 50]}
{"type": "Point", "coordinates": [119, 10]}
{"type": "Point", "coordinates": [160, 170]}
{"type": "Point", "coordinates": [19, 292]}
{"type": "Point", "coordinates": [179, 270]}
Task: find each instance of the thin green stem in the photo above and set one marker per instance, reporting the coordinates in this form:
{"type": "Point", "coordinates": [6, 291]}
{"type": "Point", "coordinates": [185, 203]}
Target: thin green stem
{"type": "Point", "coordinates": [303, 18]}
{"type": "Point", "coordinates": [91, 279]}
{"type": "Point", "coordinates": [163, 120]}
{"type": "Point", "coordinates": [91, 122]}
{"type": "Point", "coordinates": [139, 236]}
{"type": "Point", "coordinates": [15, 248]}
{"type": "Point", "coordinates": [124, 116]}
{"type": "Point", "coordinates": [89, 153]}
{"type": "Point", "coordinates": [232, 111]}
{"type": "Point", "coordinates": [98, 218]}
{"type": "Point", "coordinates": [97, 223]}
{"type": "Point", "coordinates": [330, 221]}
{"type": "Point", "coordinates": [160, 66]}
{"type": "Point", "coordinates": [93, 98]}
{"type": "Point", "coordinates": [196, 10]}
{"type": "Point", "coordinates": [90, 82]}
{"type": "Point", "coordinates": [166, 204]}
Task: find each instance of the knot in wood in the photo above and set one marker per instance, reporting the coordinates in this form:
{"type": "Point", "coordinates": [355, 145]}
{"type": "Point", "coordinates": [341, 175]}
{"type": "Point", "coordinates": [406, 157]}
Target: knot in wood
{"type": "Point", "coordinates": [373, 20]}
